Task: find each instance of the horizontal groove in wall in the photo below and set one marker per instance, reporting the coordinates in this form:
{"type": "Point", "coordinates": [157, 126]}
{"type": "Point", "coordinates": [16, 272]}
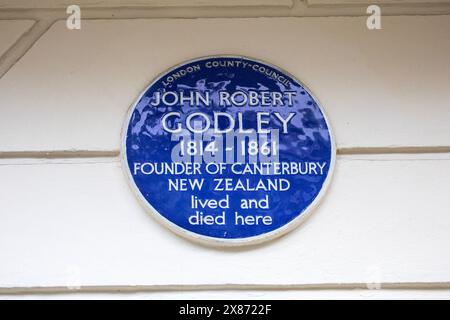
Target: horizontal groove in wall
{"type": "Point", "coordinates": [115, 153]}
{"type": "Point", "coordinates": [393, 150]}
{"type": "Point", "coordinates": [299, 10]}
{"type": "Point", "coordinates": [58, 154]}
{"type": "Point", "coordinates": [45, 4]}
{"type": "Point", "coordinates": [216, 287]}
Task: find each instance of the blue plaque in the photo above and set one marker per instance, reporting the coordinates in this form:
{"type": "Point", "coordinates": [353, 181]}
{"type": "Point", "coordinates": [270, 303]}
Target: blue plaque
{"type": "Point", "coordinates": [228, 150]}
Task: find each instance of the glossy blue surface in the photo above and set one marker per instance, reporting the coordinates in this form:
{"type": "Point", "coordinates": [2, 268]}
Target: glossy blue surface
{"type": "Point", "coordinates": [308, 140]}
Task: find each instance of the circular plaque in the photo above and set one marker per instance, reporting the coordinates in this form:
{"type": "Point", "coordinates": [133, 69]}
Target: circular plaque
{"type": "Point", "coordinates": [228, 150]}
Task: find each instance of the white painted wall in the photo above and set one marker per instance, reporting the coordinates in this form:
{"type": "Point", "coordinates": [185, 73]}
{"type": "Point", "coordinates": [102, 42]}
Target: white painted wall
{"type": "Point", "coordinates": [375, 86]}
{"type": "Point", "coordinates": [10, 32]}
{"type": "Point", "coordinates": [71, 221]}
